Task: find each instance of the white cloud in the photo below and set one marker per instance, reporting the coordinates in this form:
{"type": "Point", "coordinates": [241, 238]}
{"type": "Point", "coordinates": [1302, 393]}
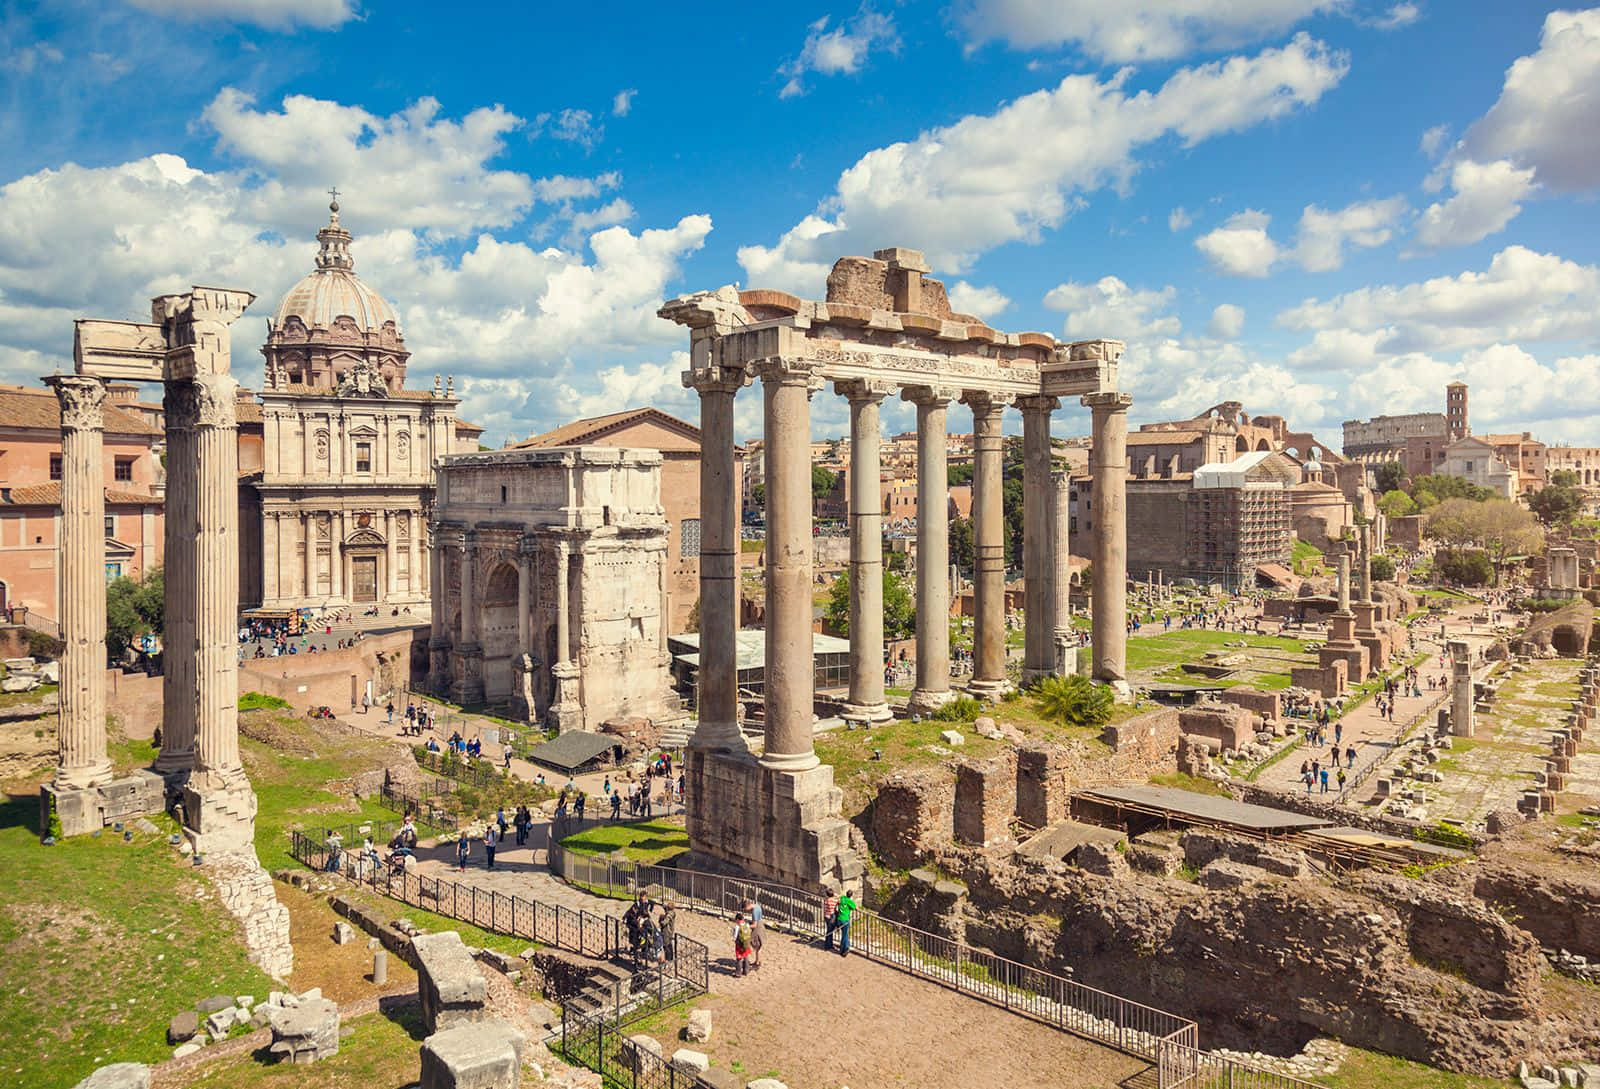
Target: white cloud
{"type": "Point", "coordinates": [1433, 140]}
{"type": "Point", "coordinates": [840, 51]}
{"type": "Point", "coordinates": [1522, 296]}
{"type": "Point", "coordinates": [1009, 176]}
{"type": "Point", "coordinates": [1135, 30]}
{"type": "Point", "coordinates": [1179, 219]}
{"type": "Point", "coordinates": [1549, 107]}
{"type": "Point", "coordinates": [27, 59]}
{"type": "Point", "coordinates": [271, 14]}
{"type": "Point", "coordinates": [622, 102]}
{"type": "Point", "coordinates": [983, 302]}
{"type": "Point", "coordinates": [1487, 197]}
{"type": "Point", "coordinates": [1227, 321]}
{"type": "Point", "coordinates": [1400, 15]}
{"type": "Point", "coordinates": [1110, 308]}
{"type": "Point", "coordinates": [1241, 246]}
{"type": "Point", "coordinates": [551, 322]}
{"type": "Point", "coordinates": [1324, 235]}
{"type": "Point", "coordinates": [573, 126]}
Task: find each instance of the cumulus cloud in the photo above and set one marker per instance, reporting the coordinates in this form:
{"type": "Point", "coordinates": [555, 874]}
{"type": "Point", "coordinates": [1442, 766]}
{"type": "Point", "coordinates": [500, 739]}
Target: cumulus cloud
{"type": "Point", "coordinates": [1549, 107]}
{"type": "Point", "coordinates": [840, 51]}
{"type": "Point", "coordinates": [1242, 246]}
{"type": "Point", "coordinates": [1521, 296]}
{"type": "Point", "coordinates": [1011, 175]}
{"type": "Point", "coordinates": [1487, 197]}
{"type": "Point", "coordinates": [981, 301]}
{"type": "Point", "coordinates": [100, 241]}
{"type": "Point", "coordinates": [1110, 308]}
{"type": "Point", "coordinates": [622, 102]}
{"type": "Point", "coordinates": [271, 14]}
{"type": "Point", "coordinates": [1227, 321]}
{"type": "Point", "coordinates": [574, 126]}
{"type": "Point", "coordinates": [1179, 219]}
{"type": "Point", "coordinates": [1433, 140]}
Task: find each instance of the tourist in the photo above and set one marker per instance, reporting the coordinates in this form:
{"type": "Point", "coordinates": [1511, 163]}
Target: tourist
{"type": "Point", "coordinates": [633, 919]}
{"type": "Point", "coordinates": [741, 945]}
{"type": "Point", "coordinates": [1341, 780]}
{"type": "Point", "coordinates": [491, 840]}
{"type": "Point", "coordinates": [1305, 777]}
{"type": "Point", "coordinates": [508, 756]}
{"type": "Point", "coordinates": [606, 786]}
{"type": "Point", "coordinates": [500, 819]}
{"type": "Point", "coordinates": [830, 918]}
{"type": "Point", "coordinates": [1324, 780]}
{"type": "Point", "coordinates": [1350, 756]}
{"type": "Point", "coordinates": [847, 909]}
{"type": "Point", "coordinates": [463, 851]}
{"type": "Point", "coordinates": [578, 804]}
{"type": "Point", "coordinates": [390, 709]}
{"type": "Point", "coordinates": [335, 850]}
{"type": "Point", "coordinates": [1338, 732]}
{"type": "Point", "coordinates": [616, 805]}
{"type": "Point", "coordinates": [669, 931]}
{"type": "Point", "coordinates": [754, 911]}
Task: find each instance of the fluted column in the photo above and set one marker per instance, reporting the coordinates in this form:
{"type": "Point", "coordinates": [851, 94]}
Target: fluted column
{"type": "Point", "coordinates": [1365, 538]}
{"type": "Point", "coordinates": [1063, 643]}
{"type": "Point", "coordinates": [1344, 583]}
{"type": "Point", "coordinates": [216, 598]}
{"type": "Point", "coordinates": [1108, 465]}
{"type": "Point", "coordinates": [178, 696]}
{"type": "Point", "coordinates": [786, 388]}
{"type": "Point", "coordinates": [866, 703]}
{"type": "Point", "coordinates": [989, 539]}
{"type": "Point", "coordinates": [933, 549]}
{"type": "Point", "coordinates": [469, 595]}
{"type": "Point", "coordinates": [718, 696]}
{"type": "Point", "coordinates": [1038, 567]}
{"type": "Point", "coordinates": [81, 732]}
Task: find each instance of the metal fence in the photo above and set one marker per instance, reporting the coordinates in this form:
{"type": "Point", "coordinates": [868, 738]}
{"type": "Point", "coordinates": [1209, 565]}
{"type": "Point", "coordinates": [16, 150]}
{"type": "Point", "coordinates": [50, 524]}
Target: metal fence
{"type": "Point", "coordinates": [480, 772]}
{"type": "Point", "coordinates": [589, 1040]}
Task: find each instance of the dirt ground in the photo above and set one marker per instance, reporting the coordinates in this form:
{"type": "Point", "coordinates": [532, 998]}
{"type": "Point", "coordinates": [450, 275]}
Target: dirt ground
{"type": "Point", "coordinates": [820, 1021]}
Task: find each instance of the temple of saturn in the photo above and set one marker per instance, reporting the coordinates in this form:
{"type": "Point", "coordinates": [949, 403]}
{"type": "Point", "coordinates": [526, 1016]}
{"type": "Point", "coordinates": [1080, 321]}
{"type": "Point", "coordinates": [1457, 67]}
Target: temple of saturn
{"type": "Point", "coordinates": [186, 347]}
{"type": "Point", "coordinates": [884, 326]}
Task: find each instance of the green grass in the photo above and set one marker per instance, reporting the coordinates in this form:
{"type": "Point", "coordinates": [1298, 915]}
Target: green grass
{"type": "Point", "coordinates": [380, 1052]}
{"type": "Point", "coordinates": [18, 699]}
{"type": "Point", "coordinates": [112, 933]}
{"type": "Point", "coordinates": [432, 921]}
{"type": "Point", "coordinates": [260, 701]}
{"type": "Point", "coordinates": [1194, 784]}
{"type": "Point", "coordinates": [904, 745]}
{"type": "Point", "coordinates": [649, 842]}
{"type": "Point", "coordinates": [1372, 1070]}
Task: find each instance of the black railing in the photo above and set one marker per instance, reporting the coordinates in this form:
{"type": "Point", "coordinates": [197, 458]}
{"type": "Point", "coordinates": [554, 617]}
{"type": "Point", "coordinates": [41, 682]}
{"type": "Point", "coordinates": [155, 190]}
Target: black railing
{"type": "Point", "coordinates": [480, 771]}
{"type": "Point", "coordinates": [590, 1040]}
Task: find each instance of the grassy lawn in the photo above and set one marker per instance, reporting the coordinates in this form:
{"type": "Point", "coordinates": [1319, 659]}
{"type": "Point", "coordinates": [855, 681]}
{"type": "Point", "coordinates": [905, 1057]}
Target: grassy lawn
{"type": "Point", "coordinates": [122, 935]}
{"type": "Point", "coordinates": [904, 744]}
{"type": "Point", "coordinates": [379, 1053]}
{"type": "Point", "coordinates": [650, 842]}
{"type": "Point", "coordinates": [18, 699]}
{"type": "Point", "coordinates": [1173, 648]}
{"type": "Point", "coordinates": [1372, 1070]}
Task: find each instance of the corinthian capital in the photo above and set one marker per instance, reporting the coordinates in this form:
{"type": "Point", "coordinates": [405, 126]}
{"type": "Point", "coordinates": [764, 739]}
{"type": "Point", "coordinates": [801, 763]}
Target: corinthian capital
{"type": "Point", "coordinates": [783, 371]}
{"type": "Point", "coordinates": [933, 396]}
{"type": "Point", "coordinates": [216, 400]}
{"type": "Point", "coordinates": [714, 379]}
{"type": "Point", "coordinates": [83, 401]}
{"type": "Point", "coordinates": [863, 389]}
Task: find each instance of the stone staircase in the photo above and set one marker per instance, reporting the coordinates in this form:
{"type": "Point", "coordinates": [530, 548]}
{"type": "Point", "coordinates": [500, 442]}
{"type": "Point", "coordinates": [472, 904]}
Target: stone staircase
{"type": "Point", "coordinates": [616, 991]}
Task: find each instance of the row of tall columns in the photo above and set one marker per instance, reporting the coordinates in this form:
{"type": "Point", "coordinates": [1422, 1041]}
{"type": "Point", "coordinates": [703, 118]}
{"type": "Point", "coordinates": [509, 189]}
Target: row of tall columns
{"type": "Point", "coordinates": [83, 761]}
{"type": "Point", "coordinates": [989, 546]}
{"type": "Point", "coordinates": [866, 703]}
{"type": "Point", "coordinates": [178, 572]}
{"type": "Point", "coordinates": [932, 689]}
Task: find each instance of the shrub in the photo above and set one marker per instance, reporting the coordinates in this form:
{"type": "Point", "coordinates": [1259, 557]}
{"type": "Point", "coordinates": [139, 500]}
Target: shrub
{"type": "Point", "coordinates": [1445, 835]}
{"type": "Point", "coordinates": [45, 646]}
{"type": "Point", "coordinates": [256, 701]}
{"type": "Point", "coordinates": [1382, 569]}
{"type": "Point", "coordinates": [960, 709]}
{"type": "Point", "coordinates": [1074, 701]}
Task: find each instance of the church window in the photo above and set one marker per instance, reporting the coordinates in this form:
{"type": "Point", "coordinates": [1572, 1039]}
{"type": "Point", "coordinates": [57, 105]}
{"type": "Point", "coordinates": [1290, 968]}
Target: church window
{"type": "Point", "coordinates": [363, 457]}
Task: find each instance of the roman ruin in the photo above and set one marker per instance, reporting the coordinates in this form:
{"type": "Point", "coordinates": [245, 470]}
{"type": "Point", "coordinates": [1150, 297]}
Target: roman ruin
{"type": "Point", "coordinates": [884, 326]}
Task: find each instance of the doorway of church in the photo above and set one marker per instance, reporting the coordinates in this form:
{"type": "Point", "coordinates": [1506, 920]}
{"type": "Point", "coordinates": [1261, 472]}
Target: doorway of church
{"type": "Point", "coordinates": [363, 578]}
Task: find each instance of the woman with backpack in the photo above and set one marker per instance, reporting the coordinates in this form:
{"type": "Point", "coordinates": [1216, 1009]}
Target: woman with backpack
{"type": "Point", "coordinates": [741, 945]}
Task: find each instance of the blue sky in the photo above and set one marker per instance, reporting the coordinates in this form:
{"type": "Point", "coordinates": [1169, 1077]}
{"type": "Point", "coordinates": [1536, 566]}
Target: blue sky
{"type": "Point", "coordinates": [1322, 208]}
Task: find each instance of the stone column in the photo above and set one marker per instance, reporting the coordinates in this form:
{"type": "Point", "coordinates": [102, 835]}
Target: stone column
{"type": "Point", "coordinates": [1364, 535]}
{"type": "Point", "coordinates": [390, 558]}
{"type": "Point", "coordinates": [786, 388]}
{"type": "Point", "coordinates": [1461, 693]}
{"type": "Point", "coordinates": [524, 594]}
{"type": "Point", "coordinates": [469, 595]}
{"type": "Point", "coordinates": [1063, 641]}
{"type": "Point", "coordinates": [216, 601]}
{"type": "Point", "coordinates": [1038, 568]}
{"type": "Point", "coordinates": [336, 554]}
{"type": "Point", "coordinates": [718, 697]}
{"type": "Point", "coordinates": [308, 555]}
{"type": "Point", "coordinates": [1344, 582]}
{"type": "Point", "coordinates": [932, 689]}
{"type": "Point", "coordinates": [566, 706]}
{"type": "Point", "coordinates": [81, 730]}
{"type": "Point", "coordinates": [414, 580]}
{"type": "Point", "coordinates": [438, 614]}
{"type": "Point", "coordinates": [989, 532]}
{"type": "Point", "coordinates": [866, 703]}
{"type": "Point", "coordinates": [1108, 465]}
{"type": "Point", "coordinates": [269, 557]}
{"type": "Point", "coordinates": [178, 694]}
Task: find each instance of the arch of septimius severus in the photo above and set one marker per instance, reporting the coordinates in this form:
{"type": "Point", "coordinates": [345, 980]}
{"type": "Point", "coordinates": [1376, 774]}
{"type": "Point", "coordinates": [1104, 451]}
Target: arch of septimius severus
{"type": "Point", "coordinates": [884, 327]}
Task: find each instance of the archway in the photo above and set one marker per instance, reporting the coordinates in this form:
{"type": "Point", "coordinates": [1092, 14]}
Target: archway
{"type": "Point", "coordinates": [1262, 444]}
{"type": "Point", "coordinates": [1241, 445]}
{"type": "Point", "coordinates": [498, 634]}
{"type": "Point", "coordinates": [364, 567]}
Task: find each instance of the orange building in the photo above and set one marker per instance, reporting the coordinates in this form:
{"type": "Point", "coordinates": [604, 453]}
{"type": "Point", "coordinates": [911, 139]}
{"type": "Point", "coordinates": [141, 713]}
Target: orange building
{"type": "Point", "coordinates": [30, 495]}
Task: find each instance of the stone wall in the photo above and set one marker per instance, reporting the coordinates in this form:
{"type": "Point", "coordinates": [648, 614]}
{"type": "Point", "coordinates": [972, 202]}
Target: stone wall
{"type": "Point", "coordinates": [1042, 794]}
{"type": "Point", "coordinates": [911, 814]}
{"type": "Point", "coordinates": [1230, 727]}
{"type": "Point", "coordinates": [1269, 705]}
{"type": "Point", "coordinates": [135, 699]}
{"type": "Point", "coordinates": [1327, 681]}
{"type": "Point", "coordinates": [1561, 912]}
{"type": "Point", "coordinates": [1148, 741]}
{"type": "Point", "coordinates": [986, 800]}
{"type": "Point", "coordinates": [336, 678]}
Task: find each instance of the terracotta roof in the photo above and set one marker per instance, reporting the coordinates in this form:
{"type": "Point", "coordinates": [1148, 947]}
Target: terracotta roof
{"type": "Point", "coordinates": [1159, 438]}
{"type": "Point", "coordinates": [37, 409]}
{"type": "Point", "coordinates": [248, 412]}
{"type": "Point", "coordinates": [49, 495]}
{"type": "Point", "coordinates": [466, 425]}
{"type": "Point", "coordinates": [595, 427]}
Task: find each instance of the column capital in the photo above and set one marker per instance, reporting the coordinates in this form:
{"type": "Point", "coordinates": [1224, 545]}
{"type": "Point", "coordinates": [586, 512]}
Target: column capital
{"type": "Point", "coordinates": [216, 399]}
{"type": "Point", "coordinates": [83, 401]}
{"type": "Point", "coordinates": [930, 396]}
{"type": "Point", "coordinates": [863, 389]}
{"type": "Point", "coordinates": [1108, 399]}
{"type": "Point", "coordinates": [714, 379]}
{"type": "Point", "coordinates": [984, 401]}
{"type": "Point", "coordinates": [1038, 402]}
{"type": "Point", "coordinates": [784, 371]}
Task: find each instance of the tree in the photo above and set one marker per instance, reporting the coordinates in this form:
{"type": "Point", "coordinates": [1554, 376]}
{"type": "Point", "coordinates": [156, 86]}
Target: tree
{"type": "Point", "coordinates": [693, 623]}
{"type": "Point", "coordinates": [134, 608]}
{"type": "Point", "coordinates": [1449, 487]}
{"type": "Point", "coordinates": [1074, 700]}
{"type": "Point", "coordinates": [1498, 526]}
{"type": "Point", "coordinates": [1465, 566]}
{"type": "Point", "coordinates": [1425, 499]}
{"type": "Point", "coordinates": [1564, 478]}
{"type": "Point", "coordinates": [1397, 504]}
{"type": "Point", "coordinates": [1556, 504]}
{"type": "Point", "coordinates": [959, 473]}
{"type": "Point", "coordinates": [1382, 568]}
{"type": "Point", "coordinates": [963, 548]}
{"type": "Point", "coordinates": [823, 481]}
{"type": "Point", "coordinates": [899, 617]}
{"type": "Point", "coordinates": [1389, 476]}
{"type": "Point", "coordinates": [758, 495]}
{"type": "Point", "coordinates": [1454, 523]}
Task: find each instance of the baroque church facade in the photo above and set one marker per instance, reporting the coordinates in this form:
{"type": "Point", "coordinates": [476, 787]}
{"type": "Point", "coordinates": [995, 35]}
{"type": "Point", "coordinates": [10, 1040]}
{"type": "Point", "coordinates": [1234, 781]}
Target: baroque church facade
{"type": "Point", "coordinates": [336, 500]}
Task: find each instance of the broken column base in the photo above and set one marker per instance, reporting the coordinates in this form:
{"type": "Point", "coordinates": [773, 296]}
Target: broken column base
{"type": "Point", "coordinates": [780, 825]}
{"type": "Point", "coordinates": [483, 1055]}
{"type": "Point", "coordinates": [219, 813]}
{"type": "Point", "coordinates": [80, 811]}
{"type": "Point", "coordinates": [866, 714]}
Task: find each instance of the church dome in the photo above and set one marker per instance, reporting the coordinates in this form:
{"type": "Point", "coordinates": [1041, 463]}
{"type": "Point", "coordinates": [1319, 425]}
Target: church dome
{"type": "Point", "coordinates": [333, 290]}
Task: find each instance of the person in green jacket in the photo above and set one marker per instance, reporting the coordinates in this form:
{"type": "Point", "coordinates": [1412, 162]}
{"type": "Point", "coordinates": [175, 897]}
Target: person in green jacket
{"type": "Point", "coordinates": [839, 920]}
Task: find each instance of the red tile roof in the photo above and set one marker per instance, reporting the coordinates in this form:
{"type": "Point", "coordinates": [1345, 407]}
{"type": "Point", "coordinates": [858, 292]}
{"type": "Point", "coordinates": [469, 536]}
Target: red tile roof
{"type": "Point", "coordinates": [36, 409]}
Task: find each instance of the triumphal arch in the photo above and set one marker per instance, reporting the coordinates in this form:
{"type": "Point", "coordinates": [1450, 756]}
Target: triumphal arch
{"type": "Point", "coordinates": [884, 327]}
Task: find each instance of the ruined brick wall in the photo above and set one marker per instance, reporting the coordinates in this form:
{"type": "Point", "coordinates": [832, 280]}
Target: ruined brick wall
{"type": "Point", "coordinates": [911, 815]}
{"type": "Point", "coordinates": [1231, 727]}
{"type": "Point", "coordinates": [1142, 745]}
{"type": "Point", "coordinates": [1269, 705]}
{"type": "Point", "coordinates": [1042, 791]}
{"type": "Point", "coordinates": [1561, 912]}
{"type": "Point", "coordinates": [985, 800]}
